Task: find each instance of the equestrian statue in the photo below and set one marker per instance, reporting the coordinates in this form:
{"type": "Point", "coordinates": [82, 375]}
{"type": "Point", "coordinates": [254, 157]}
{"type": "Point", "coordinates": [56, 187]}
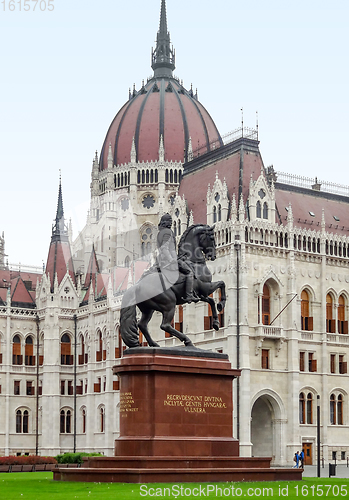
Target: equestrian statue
{"type": "Point", "coordinates": [173, 280]}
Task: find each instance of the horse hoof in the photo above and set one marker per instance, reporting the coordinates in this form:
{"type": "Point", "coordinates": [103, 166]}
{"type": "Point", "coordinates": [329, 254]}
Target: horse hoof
{"type": "Point", "coordinates": [219, 307]}
{"type": "Point", "coordinates": [216, 325]}
{"type": "Point", "coordinates": [188, 343]}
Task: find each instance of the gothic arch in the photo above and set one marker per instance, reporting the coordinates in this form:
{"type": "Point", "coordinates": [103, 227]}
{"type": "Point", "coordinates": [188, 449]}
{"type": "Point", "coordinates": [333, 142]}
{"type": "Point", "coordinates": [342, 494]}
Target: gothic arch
{"type": "Point", "coordinates": [268, 418]}
{"type": "Point", "coordinates": [270, 276]}
{"type": "Point", "coordinates": [310, 290]}
{"type": "Point", "coordinates": [275, 401]}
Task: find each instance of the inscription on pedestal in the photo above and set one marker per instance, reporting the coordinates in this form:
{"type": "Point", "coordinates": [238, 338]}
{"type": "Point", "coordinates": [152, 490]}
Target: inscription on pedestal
{"type": "Point", "coordinates": [194, 404]}
{"type": "Point", "coordinates": [127, 403]}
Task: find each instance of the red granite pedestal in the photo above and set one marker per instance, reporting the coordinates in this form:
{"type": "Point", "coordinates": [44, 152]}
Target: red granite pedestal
{"type": "Point", "coordinates": [175, 423]}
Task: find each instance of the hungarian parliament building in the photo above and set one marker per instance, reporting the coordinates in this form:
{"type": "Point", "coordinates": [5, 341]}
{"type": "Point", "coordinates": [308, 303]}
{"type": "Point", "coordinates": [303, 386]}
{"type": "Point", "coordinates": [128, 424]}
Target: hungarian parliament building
{"type": "Point", "coordinates": [282, 244]}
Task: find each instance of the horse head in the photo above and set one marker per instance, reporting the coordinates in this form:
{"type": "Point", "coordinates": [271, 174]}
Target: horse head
{"type": "Point", "coordinates": [208, 243]}
{"type": "Point", "coordinates": [197, 243]}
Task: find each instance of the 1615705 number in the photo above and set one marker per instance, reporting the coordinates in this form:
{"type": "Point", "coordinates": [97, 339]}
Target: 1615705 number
{"type": "Point", "coordinates": [322, 490]}
{"type": "Point", "coordinates": [27, 5]}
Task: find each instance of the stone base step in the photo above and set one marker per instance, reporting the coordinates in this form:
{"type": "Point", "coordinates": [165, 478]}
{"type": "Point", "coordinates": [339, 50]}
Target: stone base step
{"type": "Point", "coordinates": [176, 462]}
{"type": "Point", "coordinates": [173, 475]}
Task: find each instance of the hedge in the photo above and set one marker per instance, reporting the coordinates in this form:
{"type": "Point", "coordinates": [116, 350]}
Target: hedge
{"type": "Point", "coordinates": [75, 458]}
{"type": "Point", "coordinates": [26, 460]}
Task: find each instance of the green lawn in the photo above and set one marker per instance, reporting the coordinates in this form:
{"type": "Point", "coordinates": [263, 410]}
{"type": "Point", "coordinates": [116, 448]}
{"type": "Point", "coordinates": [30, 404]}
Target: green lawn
{"type": "Point", "coordinates": [40, 485]}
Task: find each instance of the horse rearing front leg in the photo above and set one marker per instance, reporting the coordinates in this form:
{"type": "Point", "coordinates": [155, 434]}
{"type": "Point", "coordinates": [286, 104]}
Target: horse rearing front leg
{"type": "Point", "coordinates": [221, 303]}
{"type": "Point", "coordinates": [215, 322]}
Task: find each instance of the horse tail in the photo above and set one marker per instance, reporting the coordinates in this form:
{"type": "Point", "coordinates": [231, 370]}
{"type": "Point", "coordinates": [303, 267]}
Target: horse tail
{"type": "Point", "coordinates": [128, 326]}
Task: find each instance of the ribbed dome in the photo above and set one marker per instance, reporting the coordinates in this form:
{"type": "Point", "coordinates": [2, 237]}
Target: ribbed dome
{"type": "Point", "coordinates": [163, 107]}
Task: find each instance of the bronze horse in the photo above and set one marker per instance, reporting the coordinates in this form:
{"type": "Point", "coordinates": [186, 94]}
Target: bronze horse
{"type": "Point", "coordinates": [196, 245]}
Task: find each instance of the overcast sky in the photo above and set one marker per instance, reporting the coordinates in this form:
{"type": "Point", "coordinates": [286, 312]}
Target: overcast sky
{"type": "Point", "coordinates": [66, 73]}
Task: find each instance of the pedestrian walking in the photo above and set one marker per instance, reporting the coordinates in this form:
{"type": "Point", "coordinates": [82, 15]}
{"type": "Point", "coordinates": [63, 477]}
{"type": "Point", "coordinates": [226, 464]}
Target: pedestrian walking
{"type": "Point", "coordinates": [296, 459]}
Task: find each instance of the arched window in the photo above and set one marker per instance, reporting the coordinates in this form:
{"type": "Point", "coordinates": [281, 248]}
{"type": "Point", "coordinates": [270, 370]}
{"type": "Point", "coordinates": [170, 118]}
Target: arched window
{"type": "Point", "coordinates": [62, 422]}
{"type": "Point", "coordinates": [332, 409]}
{"type": "Point", "coordinates": [342, 324]}
{"type": "Point", "coordinates": [265, 210]}
{"type": "Point", "coordinates": [175, 176]}
{"type": "Point", "coordinates": [138, 177]}
{"type": "Point", "coordinates": [99, 352]}
{"type": "Point", "coordinates": [66, 357]}
{"type": "Point", "coordinates": [82, 355]}
{"type": "Point", "coordinates": [179, 227]}
{"type": "Point", "coordinates": [65, 421]}
{"type": "Point", "coordinates": [174, 228]}
{"type": "Point", "coordinates": [306, 320]}
{"type": "Point", "coordinates": [18, 421]}
{"type": "Point", "coordinates": [330, 323]}
{"type": "Point", "coordinates": [309, 408]}
{"type": "Point", "coordinates": [301, 408]}
{"type": "Point", "coordinates": [156, 175]}
{"type": "Point", "coordinates": [146, 238]}
{"type": "Point", "coordinates": [258, 210]}
{"type": "Point", "coordinates": [83, 415]}
{"type": "Point", "coordinates": [68, 422]}
{"type": "Point", "coordinates": [219, 212]}
{"type": "Point", "coordinates": [214, 214]}
{"type": "Point", "coordinates": [29, 359]}
{"type": "Point", "coordinates": [166, 175]}
{"type": "Point", "coordinates": [147, 177]}
{"type": "Point", "coordinates": [151, 176]}
{"type": "Point", "coordinates": [127, 261]}
{"type": "Point", "coordinates": [340, 409]}
{"type": "Point", "coordinates": [171, 176]}
{"type": "Point", "coordinates": [17, 358]}
{"type": "Point", "coordinates": [101, 418]}
{"type": "Point", "coordinates": [266, 305]}
{"type": "Point", "coordinates": [22, 421]}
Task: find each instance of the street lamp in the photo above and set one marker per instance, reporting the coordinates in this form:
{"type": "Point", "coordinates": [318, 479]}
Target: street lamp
{"type": "Point", "coordinates": [318, 435]}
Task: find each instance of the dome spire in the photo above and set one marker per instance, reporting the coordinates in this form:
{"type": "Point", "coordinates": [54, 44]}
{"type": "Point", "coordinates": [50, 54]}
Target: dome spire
{"type": "Point", "coordinates": [163, 57]}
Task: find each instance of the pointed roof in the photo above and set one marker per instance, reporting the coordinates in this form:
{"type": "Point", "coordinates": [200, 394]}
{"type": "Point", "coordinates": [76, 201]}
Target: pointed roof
{"type": "Point", "coordinates": [20, 296]}
{"type": "Point", "coordinates": [59, 260]}
{"type": "Point", "coordinates": [163, 57]}
{"type": "Point", "coordinates": [92, 269]}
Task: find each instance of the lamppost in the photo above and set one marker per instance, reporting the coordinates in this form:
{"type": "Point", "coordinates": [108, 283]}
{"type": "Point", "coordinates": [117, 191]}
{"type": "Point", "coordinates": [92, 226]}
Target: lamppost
{"type": "Point", "coordinates": [237, 246]}
{"type": "Point", "coordinates": [318, 434]}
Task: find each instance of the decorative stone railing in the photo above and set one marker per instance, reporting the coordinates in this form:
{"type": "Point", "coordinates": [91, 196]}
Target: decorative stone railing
{"type": "Point", "coordinates": [274, 332]}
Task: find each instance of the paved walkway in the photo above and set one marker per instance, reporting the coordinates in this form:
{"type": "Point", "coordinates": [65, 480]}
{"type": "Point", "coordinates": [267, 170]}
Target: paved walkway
{"type": "Point", "coordinates": [311, 471]}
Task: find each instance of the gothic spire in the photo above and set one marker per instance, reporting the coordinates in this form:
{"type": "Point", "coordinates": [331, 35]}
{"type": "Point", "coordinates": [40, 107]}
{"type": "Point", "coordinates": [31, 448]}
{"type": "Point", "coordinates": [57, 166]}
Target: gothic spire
{"type": "Point", "coordinates": [59, 259]}
{"type": "Point", "coordinates": [58, 228]}
{"type": "Point", "coordinates": [163, 57]}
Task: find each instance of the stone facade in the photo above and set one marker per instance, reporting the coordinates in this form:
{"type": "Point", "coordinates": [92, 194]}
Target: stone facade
{"type": "Point", "coordinates": [283, 252]}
